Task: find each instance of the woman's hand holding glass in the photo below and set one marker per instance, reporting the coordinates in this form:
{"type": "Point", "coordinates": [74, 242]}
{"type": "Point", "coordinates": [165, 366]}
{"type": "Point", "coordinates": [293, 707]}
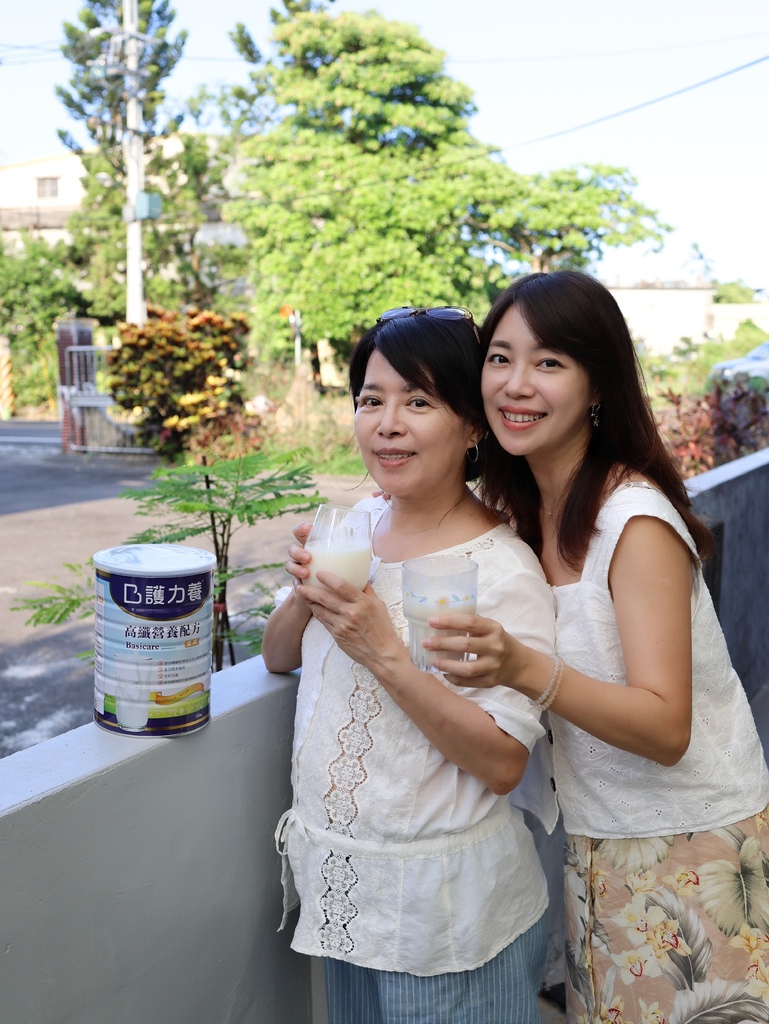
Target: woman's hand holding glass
{"type": "Point", "coordinates": [496, 657]}
{"type": "Point", "coordinates": [357, 619]}
{"type": "Point", "coordinates": [298, 557]}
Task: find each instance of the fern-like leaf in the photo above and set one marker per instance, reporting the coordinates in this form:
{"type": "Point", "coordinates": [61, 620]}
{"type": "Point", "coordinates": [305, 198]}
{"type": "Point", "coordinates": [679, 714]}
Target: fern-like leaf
{"type": "Point", "coordinates": [685, 971]}
{"type": "Point", "coordinates": [62, 602]}
{"type": "Point", "coordinates": [579, 976]}
{"type": "Point", "coordinates": [732, 896]}
{"type": "Point", "coordinates": [718, 1002]}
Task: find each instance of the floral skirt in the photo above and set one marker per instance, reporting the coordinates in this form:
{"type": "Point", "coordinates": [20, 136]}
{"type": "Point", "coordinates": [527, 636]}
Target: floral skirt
{"type": "Point", "coordinates": [671, 929]}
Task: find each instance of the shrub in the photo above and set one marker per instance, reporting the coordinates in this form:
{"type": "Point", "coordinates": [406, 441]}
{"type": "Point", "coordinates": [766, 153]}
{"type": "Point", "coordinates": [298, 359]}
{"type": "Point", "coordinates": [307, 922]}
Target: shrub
{"type": "Point", "coordinates": [740, 417]}
{"type": "Point", "coordinates": [687, 424]}
{"type": "Point", "coordinates": [730, 421]}
{"type": "Point", "coordinates": [180, 374]}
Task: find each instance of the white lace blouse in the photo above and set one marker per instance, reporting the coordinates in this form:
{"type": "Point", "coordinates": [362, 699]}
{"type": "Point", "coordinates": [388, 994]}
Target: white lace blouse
{"type": "Point", "coordinates": [403, 861]}
{"type": "Point", "coordinates": [605, 792]}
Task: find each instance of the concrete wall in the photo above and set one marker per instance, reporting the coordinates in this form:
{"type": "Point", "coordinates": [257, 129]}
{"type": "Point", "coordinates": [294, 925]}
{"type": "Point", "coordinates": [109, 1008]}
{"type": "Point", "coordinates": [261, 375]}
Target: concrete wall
{"type": "Point", "coordinates": [727, 317]}
{"type": "Point", "coordinates": [737, 495]}
{"type": "Point", "coordinates": [18, 182]}
{"type": "Point", "coordinates": [138, 878]}
{"type": "Point", "coordinates": [660, 317]}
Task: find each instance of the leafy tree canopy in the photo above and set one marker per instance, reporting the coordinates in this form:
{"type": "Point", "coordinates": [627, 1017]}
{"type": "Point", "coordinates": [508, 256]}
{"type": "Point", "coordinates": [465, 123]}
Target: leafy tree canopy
{"type": "Point", "coordinates": [356, 199]}
{"type": "Point", "coordinates": [366, 189]}
{"type": "Point", "coordinates": [374, 83]}
{"type": "Point", "coordinates": [566, 218]}
{"type": "Point", "coordinates": [361, 188]}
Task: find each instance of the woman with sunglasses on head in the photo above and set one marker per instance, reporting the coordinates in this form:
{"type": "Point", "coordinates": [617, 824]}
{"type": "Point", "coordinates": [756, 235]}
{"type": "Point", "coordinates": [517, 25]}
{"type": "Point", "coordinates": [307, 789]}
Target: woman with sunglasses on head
{"type": "Point", "coordinates": [659, 769]}
{"type": "Point", "coordinates": [419, 884]}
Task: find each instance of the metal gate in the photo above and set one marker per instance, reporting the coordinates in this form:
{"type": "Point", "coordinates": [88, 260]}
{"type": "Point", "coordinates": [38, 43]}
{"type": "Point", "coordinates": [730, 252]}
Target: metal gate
{"type": "Point", "coordinates": [95, 423]}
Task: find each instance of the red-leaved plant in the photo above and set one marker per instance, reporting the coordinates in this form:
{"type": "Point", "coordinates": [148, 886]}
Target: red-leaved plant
{"type": "Point", "coordinates": [730, 421]}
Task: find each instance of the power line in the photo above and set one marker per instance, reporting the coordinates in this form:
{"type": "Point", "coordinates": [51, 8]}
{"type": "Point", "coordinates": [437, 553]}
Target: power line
{"type": "Point", "coordinates": [52, 47]}
{"type": "Point", "coordinates": [13, 54]}
{"type": "Point", "coordinates": [552, 135]}
{"type": "Point", "coordinates": [604, 53]}
{"type": "Point", "coordinates": [29, 46]}
{"type": "Point", "coordinates": [638, 106]}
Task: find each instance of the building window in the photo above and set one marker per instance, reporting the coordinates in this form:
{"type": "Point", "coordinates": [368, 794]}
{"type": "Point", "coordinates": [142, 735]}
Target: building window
{"type": "Point", "coordinates": [47, 188]}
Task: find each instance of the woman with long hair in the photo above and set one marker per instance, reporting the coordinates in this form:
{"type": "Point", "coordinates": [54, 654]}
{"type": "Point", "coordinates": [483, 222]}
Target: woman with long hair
{"type": "Point", "coordinates": [659, 770]}
{"type": "Point", "coordinates": [419, 884]}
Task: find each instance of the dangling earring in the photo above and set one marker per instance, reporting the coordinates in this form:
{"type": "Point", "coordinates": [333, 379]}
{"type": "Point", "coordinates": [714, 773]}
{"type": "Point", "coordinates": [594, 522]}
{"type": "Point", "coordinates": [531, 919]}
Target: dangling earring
{"type": "Point", "coordinates": [595, 408]}
{"type": "Point", "coordinates": [477, 453]}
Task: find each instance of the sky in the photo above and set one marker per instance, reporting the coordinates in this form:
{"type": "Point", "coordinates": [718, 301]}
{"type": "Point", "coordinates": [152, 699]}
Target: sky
{"type": "Point", "coordinates": [541, 75]}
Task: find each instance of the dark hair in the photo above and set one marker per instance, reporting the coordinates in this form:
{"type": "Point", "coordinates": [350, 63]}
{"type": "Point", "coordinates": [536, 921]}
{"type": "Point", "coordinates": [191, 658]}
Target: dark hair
{"type": "Point", "coordinates": [573, 313]}
{"type": "Point", "coordinates": [442, 357]}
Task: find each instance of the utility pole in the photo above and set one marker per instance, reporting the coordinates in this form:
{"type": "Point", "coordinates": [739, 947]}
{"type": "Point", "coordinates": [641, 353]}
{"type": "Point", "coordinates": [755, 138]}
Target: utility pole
{"type": "Point", "coordinates": [294, 318]}
{"type": "Point", "coordinates": [128, 43]}
{"type": "Point", "coordinates": [133, 149]}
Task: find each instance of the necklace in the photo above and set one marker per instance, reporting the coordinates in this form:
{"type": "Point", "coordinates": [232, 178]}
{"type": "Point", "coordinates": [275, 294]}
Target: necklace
{"type": "Point", "coordinates": [551, 511]}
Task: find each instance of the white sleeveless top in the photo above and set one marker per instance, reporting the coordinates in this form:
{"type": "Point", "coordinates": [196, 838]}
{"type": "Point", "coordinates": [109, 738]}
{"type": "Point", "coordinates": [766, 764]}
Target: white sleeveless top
{"type": "Point", "coordinates": [605, 792]}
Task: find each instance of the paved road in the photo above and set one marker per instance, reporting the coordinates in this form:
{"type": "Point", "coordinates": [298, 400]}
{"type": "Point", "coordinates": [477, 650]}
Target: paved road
{"type": "Point", "coordinates": [57, 509]}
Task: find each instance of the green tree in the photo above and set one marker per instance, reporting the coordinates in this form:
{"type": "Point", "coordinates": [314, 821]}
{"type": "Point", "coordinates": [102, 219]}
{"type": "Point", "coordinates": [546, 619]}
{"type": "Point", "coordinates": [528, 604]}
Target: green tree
{"type": "Point", "coordinates": [356, 198]}
{"type": "Point", "coordinates": [734, 291]}
{"type": "Point", "coordinates": [36, 288]}
{"type": "Point", "coordinates": [565, 219]}
{"type": "Point", "coordinates": [190, 171]}
{"type": "Point", "coordinates": [699, 262]}
{"type": "Point", "coordinates": [187, 170]}
{"type": "Point", "coordinates": [365, 189]}
{"type": "Point", "coordinates": [97, 99]}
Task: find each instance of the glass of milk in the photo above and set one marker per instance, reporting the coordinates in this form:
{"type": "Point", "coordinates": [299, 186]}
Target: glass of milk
{"type": "Point", "coordinates": [133, 683]}
{"type": "Point", "coordinates": [436, 585]}
{"type": "Point", "coordinates": [340, 542]}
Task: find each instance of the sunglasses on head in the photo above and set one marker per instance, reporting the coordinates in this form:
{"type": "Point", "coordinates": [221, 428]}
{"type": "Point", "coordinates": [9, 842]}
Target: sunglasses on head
{"type": "Point", "coordinates": [437, 312]}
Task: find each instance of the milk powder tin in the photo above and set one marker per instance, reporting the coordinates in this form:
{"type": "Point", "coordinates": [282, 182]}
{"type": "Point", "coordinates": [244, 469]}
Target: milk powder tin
{"type": "Point", "coordinates": [153, 636]}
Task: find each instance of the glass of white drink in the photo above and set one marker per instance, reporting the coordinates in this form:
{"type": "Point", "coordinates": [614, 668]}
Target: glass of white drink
{"type": "Point", "coordinates": [340, 542]}
{"type": "Point", "coordinates": [436, 585]}
{"type": "Point", "coordinates": [133, 684]}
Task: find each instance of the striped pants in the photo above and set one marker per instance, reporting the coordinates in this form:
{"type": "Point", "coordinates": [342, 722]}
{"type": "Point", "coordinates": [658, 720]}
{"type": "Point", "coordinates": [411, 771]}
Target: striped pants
{"type": "Point", "coordinates": [503, 991]}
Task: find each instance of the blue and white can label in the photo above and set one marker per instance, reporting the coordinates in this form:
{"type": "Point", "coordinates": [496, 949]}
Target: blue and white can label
{"type": "Point", "coordinates": [153, 638]}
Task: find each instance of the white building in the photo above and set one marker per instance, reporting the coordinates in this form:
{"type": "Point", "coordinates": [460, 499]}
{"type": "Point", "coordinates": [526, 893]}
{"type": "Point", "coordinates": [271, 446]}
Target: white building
{"type": "Point", "coordinates": [660, 316]}
{"type": "Point", "coordinates": [40, 195]}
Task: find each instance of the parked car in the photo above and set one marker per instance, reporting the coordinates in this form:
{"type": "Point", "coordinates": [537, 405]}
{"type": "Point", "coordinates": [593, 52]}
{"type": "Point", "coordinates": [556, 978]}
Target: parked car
{"type": "Point", "coordinates": [754, 364]}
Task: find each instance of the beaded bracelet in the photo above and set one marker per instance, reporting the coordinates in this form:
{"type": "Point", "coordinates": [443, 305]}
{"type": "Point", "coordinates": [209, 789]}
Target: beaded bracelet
{"type": "Point", "coordinates": [550, 692]}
